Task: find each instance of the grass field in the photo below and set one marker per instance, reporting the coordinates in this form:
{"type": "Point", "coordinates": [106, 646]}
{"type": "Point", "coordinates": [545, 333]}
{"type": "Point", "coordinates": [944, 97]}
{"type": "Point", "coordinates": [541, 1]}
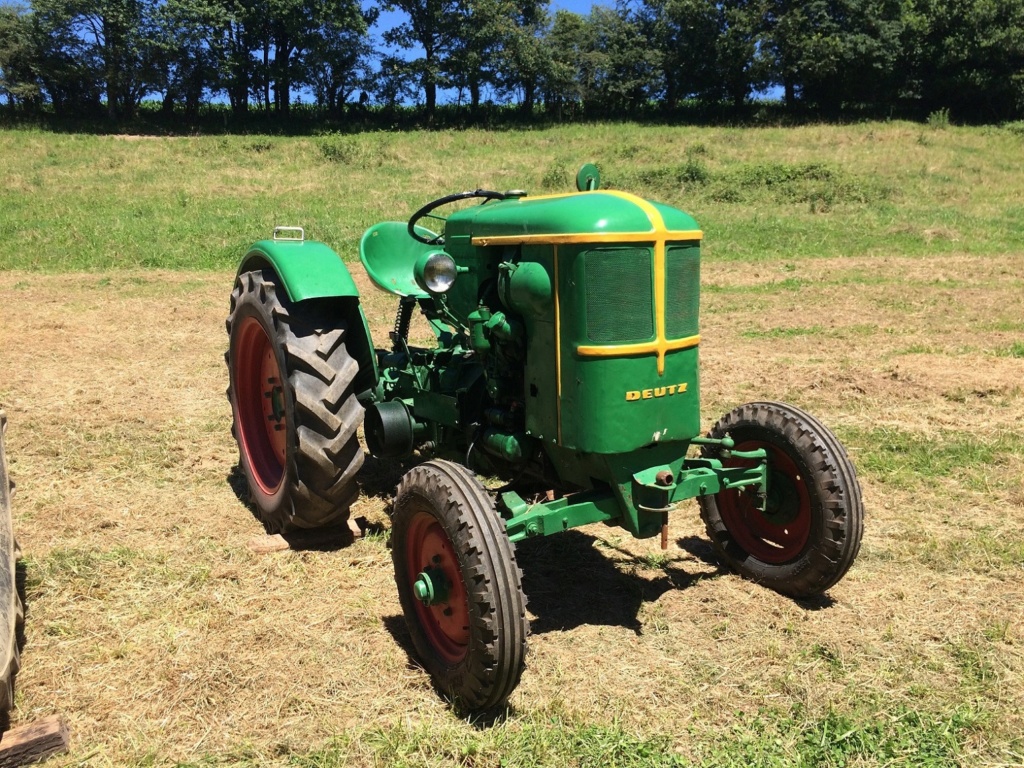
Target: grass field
{"type": "Point", "coordinates": [871, 274]}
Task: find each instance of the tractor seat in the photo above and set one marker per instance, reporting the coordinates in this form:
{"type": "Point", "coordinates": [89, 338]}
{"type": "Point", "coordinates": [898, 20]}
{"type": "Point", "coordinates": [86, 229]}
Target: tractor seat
{"type": "Point", "coordinates": [389, 254]}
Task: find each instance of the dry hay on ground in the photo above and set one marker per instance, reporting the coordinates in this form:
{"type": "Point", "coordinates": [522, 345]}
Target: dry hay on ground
{"type": "Point", "coordinates": [158, 634]}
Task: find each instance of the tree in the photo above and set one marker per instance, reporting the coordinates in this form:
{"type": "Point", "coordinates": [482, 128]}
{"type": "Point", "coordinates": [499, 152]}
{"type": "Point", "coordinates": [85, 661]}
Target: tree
{"type": "Point", "coordinates": [740, 66]}
{"type": "Point", "coordinates": [393, 82]}
{"type": "Point", "coordinates": [524, 58]}
{"type": "Point", "coordinates": [233, 43]}
{"type": "Point", "coordinates": [966, 55]}
{"type": "Point", "coordinates": [187, 53]}
{"type": "Point", "coordinates": [470, 64]}
{"type": "Point", "coordinates": [109, 38]}
{"type": "Point", "coordinates": [685, 32]}
{"type": "Point", "coordinates": [338, 60]}
{"type": "Point", "coordinates": [434, 27]}
{"type": "Point", "coordinates": [561, 82]}
{"type": "Point", "coordinates": [835, 52]}
{"type": "Point", "coordinates": [622, 73]}
{"type": "Point", "coordinates": [18, 59]}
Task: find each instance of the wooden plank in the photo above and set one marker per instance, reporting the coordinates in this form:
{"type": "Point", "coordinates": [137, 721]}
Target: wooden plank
{"type": "Point", "coordinates": [265, 544]}
{"type": "Point", "coordinates": [34, 742]}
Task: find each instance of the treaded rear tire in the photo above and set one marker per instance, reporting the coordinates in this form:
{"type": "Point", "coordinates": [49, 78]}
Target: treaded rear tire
{"type": "Point", "coordinates": [827, 512]}
{"type": "Point", "coordinates": [13, 608]}
{"type": "Point", "coordinates": [8, 675]}
{"type": "Point", "coordinates": [309, 479]}
{"type": "Point", "coordinates": [479, 665]}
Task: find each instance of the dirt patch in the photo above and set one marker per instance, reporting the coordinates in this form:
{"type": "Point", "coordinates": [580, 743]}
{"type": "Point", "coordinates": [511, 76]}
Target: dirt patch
{"type": "Point", "coordinates": [161, 637]}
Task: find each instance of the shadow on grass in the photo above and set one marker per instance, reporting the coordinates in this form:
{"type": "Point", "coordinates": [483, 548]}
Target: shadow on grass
{"type": "Point", "coordinates": [702, 550]}
{"type": "Point", "coordinates": [380, 477]}
{"type": "Point", "coordinates": [328, 539]}
{"type": "Point", "coordinates": [396, 627]}
{"type": "Point", "coordinates": [239, 485]}
{"type": "Point", "coordinates": [570, 582]}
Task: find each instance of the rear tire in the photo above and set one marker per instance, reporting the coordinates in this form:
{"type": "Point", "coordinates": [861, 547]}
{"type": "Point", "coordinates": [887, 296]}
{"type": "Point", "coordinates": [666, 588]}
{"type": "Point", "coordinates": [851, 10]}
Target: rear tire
{"type": "Point", "coordinates": [810, 533]}
{"type": "Point", "coordinates": [12, 610]}
{"type": "Point", "coordinates": [8, 675]}
{"type": "Point", "coordinates": [471, 638]}
{"type": "Point", "coordinates": [294, 409]}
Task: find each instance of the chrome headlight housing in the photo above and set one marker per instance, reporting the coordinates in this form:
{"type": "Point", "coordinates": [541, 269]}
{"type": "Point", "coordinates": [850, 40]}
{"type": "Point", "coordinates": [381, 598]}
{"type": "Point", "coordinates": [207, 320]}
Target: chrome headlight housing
{"type": "Point", "coordinates": [435, 272]}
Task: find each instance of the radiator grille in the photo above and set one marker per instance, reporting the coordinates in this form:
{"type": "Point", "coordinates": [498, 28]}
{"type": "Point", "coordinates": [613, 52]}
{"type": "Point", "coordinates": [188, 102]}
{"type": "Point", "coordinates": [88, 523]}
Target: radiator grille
{"type": "Point", "coordinates": [682, 291]}
{"type": "Point", "coordinates": [620, 296]}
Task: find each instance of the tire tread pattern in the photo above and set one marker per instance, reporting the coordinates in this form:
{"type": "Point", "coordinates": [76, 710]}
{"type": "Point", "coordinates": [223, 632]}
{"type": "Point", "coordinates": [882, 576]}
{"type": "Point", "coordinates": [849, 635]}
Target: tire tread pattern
{"type": "Point", "coordinates": [320, 372]}
{"type": "Point", "coordinates": [499, 627]}
{"type": "Point", "coordinates": [835, 493]}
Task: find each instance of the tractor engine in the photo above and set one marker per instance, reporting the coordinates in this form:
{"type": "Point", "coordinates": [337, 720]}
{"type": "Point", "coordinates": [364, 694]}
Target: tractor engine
{"type": "Point", "coordinates": [567, 327]}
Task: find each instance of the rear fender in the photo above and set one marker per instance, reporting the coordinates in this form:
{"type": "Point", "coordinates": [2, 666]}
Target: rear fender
{"type": "Point", "coordinates": [309, 270]}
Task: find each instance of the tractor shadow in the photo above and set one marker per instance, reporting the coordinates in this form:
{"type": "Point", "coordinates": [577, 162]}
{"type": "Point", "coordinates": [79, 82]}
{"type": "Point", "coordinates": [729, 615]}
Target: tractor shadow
{"type": "Point", "coordinates": [701, 549]}
{"type": "Point", "coordinates": [573, 579]}
{"type": "Point", "coordinates": [396, 627]}
{"type": "Point", "coordinates": [380, 477]}
{"type": "Point", "coordinates": [377, 477]}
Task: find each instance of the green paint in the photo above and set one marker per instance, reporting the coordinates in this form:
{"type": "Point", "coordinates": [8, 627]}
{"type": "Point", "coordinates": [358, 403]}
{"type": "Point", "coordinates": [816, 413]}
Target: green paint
{"type": "Point", "coordinates": [389, 256]}
{"type": "Point", "coordinates": [431, 587]}
{"type": "Point", "coordinates": [516, 388]}
{"type": "Point", "coordinates": [531, 520]}
{"type": "Point", "coordinates": [308, 269]}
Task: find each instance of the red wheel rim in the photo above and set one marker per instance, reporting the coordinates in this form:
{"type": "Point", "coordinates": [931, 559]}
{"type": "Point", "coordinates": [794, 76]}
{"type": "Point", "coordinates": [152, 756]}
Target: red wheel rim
{"type": "Point", "coordinates": [445, 624]}
{"type": "Point", "coordinates": [259, 399]}
{"type": "Point", "coordinates": [781, 533]}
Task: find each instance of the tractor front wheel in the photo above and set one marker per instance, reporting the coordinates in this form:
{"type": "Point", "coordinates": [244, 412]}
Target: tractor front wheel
{"type": "Point", "coordinates": [808, 535]}
{"type": "Point", "coordinates": [459, 585]}
{"type": "Point", "coordinates": [294, 408]}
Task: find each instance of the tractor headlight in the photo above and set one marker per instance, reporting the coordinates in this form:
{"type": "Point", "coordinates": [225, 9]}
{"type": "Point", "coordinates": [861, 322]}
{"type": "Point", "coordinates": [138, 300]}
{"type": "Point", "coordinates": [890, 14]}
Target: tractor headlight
{"type": "Point", "coordinates": [435, 272]}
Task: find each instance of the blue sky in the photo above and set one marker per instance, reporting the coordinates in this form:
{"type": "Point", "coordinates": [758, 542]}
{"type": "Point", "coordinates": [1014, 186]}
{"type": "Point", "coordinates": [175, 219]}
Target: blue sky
{"type": "Point", "coordinates": [388, 20]}
{"type": "Point", "coordinates": [577, 6]}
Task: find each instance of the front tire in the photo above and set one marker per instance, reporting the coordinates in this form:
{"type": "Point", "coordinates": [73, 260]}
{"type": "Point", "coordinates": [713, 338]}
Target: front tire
{"type": "Point", "coordinates": [295, 412]}
{"type": "Point", "coordinates": [810, 533]}
{"type": "Point", "coordinates": [459, 585]}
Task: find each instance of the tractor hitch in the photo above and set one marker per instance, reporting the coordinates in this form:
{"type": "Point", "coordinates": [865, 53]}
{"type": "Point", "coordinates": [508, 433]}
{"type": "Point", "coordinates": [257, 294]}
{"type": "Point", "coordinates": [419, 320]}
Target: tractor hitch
{"type": "Point", "coordinates": [642, 501]}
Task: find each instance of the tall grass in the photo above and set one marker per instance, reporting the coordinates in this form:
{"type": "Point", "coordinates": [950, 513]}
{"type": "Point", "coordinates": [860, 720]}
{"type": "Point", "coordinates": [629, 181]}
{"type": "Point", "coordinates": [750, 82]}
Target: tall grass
{"type": "Point", "coordinates": [74, 202]}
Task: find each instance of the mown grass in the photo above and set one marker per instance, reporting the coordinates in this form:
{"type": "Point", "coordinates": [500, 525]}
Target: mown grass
{"type": "Point", "coordinates": [895, 456]}
{"type": "Point", "coordinates": [107, 202]}
{"type": "Point", "coordinates": [765, 739]}
{"type": "Point", "coordinates": [871, 274]}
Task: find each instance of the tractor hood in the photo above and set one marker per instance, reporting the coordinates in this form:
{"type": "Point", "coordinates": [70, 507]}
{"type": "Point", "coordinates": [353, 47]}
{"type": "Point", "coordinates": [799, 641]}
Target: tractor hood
{"type": "Point", "coordinates": [601, 213]}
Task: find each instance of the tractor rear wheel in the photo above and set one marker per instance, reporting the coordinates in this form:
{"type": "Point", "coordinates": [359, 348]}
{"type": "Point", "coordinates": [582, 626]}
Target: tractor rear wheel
{"type": "Point", "coordinates": [810, 533]}
{"type": "Point", "coordinates": [294, 408]}
{"type": "Point", "coordinates": [459, 585]}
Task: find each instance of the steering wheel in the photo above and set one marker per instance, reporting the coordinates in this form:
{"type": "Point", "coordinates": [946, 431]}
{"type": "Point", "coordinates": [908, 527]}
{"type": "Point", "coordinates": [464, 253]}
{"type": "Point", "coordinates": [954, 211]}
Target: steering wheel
{"type": "Point", "coordinates": [427, 212]}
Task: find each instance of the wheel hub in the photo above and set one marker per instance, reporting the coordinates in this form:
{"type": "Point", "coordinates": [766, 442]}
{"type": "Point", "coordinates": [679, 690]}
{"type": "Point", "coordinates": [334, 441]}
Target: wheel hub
{"type": "Point", "coordinates": [777, 533]}
{"type": "Point", "coordinates": [442, 607]}
{"type": "Point", "coordinates": [276, 397]}
{"type": "Point", "coordinates": [783, 500]}
{"type": "Point", "coordinates": [431, 586]}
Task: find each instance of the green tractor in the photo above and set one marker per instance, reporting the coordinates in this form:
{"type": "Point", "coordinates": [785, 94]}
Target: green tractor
{"type": "Point", "coordinates": [565, 366]}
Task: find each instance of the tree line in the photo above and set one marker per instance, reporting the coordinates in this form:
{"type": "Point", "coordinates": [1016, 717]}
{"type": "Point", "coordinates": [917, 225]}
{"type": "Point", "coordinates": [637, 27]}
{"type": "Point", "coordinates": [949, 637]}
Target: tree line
{"type": "Point", "coordinates": [103, 58]}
